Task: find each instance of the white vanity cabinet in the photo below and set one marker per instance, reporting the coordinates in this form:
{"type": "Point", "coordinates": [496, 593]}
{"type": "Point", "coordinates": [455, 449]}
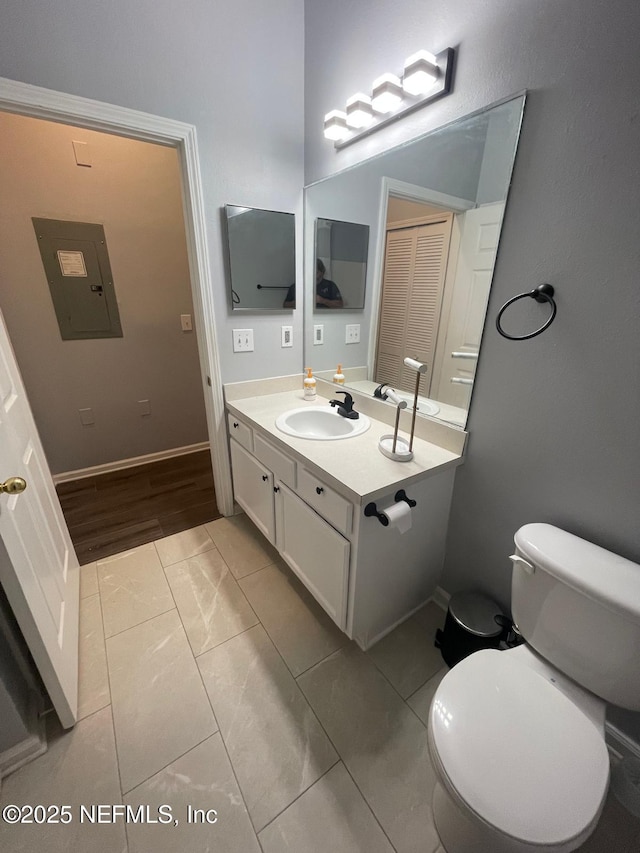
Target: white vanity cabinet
{"type": "Point", "coordinates": [367, 576]}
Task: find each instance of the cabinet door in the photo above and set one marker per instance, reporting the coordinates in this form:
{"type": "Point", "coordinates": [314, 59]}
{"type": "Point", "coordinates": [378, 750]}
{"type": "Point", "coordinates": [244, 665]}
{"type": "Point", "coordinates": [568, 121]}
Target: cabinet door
{"type": "Point", "coordinates": [316, 552]}
{"type": "Point", "coordinates": [253, 489]}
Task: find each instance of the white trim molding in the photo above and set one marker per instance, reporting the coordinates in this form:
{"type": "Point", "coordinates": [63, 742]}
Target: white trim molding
{"type": "Point", "coordinates": [38, 102]}
{"type": "Point", "coordinates": [132, 462]}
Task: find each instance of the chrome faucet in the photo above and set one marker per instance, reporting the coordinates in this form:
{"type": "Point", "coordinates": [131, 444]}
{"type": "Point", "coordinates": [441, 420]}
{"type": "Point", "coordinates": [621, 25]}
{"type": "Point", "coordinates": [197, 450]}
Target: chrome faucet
{"type": "Point", "coordinates": [345, 407]}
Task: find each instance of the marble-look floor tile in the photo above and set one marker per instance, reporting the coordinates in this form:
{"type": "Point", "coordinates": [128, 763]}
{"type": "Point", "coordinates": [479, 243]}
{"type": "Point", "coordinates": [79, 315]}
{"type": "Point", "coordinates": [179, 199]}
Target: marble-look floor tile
{"type": "Point", "coordinates": [382, 743]}
{"type": "Point", "coordinates": [301, 630]}
{"type": "Point", "coordinates": [331, 815]}
{"type": "Point", "coordinates": [211, 604]}
{"type": "Point", "coordinates": [181, 546]}
{"type": "Point", "coordinates": [88, 580]}
{"type": "Point", "coordinates": [420, 701]}
{"type": "Point", "coordinates": [79, 768]}
{"type": "Point", "coordinates": [275, 743]}
{"type": "Point", "coordinates": [202, 779]}
{"type": "Point", "coordinates": [407, 655]}
{"type": "Point", "coordinates": [93, 680]}
{"type": "Point", "coordinates": [133, 588]}
{"type": "Point", "coordinates": [160, 708]}
{"type": "Point", "coordinates": [244, 548]}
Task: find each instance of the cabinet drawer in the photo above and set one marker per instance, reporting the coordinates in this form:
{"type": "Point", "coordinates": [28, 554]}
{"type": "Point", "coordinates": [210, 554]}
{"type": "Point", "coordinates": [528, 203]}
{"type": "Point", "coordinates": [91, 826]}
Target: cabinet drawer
{"type": "Point", "coordinates": [337, 510]}
{"type": "Point", "coordinates": [241, 432]}
{"type": "Point", "coordinates": [282, 466]}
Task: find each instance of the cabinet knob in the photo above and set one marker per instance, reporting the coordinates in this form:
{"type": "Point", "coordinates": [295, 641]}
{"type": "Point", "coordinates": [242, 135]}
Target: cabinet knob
{"type": "Point", "coordinates": [264, 478]}
{"type": "Point", "coordinates": [319, 490]}
{"type": "Point", "coordinates": [276, 488]}
{"type": "Point", "coordinates": [235, 424]}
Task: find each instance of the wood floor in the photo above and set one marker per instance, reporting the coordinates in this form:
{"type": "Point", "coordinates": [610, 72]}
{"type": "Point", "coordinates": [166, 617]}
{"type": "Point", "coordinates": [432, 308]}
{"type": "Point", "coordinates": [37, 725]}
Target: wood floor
{"type": "Point", "coordinates": [122, 509]}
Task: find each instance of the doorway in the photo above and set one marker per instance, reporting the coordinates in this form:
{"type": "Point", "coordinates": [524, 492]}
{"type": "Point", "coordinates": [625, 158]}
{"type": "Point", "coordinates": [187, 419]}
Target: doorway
{"type": "Point", "coordinates": [105, 401]}
{"type": "Point", "coordinates": [53, 644]}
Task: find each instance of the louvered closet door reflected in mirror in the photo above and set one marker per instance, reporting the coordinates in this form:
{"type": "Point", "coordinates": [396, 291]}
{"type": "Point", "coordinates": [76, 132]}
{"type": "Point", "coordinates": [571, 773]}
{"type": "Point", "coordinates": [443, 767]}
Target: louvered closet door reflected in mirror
{"type": "Point", "coordinates": [415, 267]}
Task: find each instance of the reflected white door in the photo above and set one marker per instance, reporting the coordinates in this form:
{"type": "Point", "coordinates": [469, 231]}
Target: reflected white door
{"type": "Point", "coordinates": [38, 566]}
{"type": "Point", "coordinates": [476, 259]}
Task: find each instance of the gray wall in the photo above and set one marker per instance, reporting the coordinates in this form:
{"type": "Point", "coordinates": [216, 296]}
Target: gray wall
{"type": "Point", "coordinates": [554, 420]}
{"type": "Point", "coordinates": [133, 190]}
{"type": "Point", "coordinates": [234, 70]}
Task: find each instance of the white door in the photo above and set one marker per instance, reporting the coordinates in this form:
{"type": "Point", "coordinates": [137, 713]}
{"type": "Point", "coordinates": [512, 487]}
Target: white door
{"type": "Point", "coordinates": [38, 566]}
{"type": "Point", "coordinates": [476, 259]}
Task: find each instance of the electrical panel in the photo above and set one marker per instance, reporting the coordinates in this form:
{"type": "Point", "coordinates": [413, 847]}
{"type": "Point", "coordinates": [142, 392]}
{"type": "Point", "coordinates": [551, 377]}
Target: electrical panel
{"type": "Point", "coordinates": [76, 263]}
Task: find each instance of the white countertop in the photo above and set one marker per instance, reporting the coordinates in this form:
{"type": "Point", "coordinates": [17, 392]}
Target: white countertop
{"type": "Point", "coordinates": [355, 465]}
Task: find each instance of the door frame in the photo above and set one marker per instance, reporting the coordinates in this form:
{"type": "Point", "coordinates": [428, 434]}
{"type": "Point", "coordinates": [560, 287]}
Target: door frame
{"type": "Point", "coordinates": [410, 192]}
{"type": "Point", "coordinates": [38, 102]}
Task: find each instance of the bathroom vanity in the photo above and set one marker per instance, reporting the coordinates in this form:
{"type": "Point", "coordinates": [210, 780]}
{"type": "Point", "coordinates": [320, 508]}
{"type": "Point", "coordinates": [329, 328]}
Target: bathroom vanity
{"type": "Point", "coordinates": [308, 498]}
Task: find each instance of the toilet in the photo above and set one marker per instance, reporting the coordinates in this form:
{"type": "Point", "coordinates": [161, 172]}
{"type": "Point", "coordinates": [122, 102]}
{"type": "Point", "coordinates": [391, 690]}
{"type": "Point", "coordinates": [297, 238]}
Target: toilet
{"type": "Point", "coordinates": [516, 737]}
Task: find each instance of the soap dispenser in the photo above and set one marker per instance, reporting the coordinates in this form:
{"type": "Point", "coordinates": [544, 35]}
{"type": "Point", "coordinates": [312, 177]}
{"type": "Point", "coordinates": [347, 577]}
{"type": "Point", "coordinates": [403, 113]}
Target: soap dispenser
{"type": "Point", "coordinates": [309, 385]}
{"type": "Point", "coordinates": [338, 376]}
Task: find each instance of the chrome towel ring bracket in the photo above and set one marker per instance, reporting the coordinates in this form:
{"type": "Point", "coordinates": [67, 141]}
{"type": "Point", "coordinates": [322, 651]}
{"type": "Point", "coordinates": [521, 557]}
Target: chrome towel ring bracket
{"type": "Point", "coordinates": [541, 293]}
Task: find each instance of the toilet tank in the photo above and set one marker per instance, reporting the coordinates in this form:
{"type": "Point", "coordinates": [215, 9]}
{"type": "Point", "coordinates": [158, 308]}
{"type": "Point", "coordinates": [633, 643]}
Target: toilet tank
{"type": "Point", "coordinates": [580, 609]}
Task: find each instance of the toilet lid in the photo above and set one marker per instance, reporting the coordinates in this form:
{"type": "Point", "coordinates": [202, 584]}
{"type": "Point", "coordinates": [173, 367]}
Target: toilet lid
{"type": "Point", "coordinates": [523, 757]}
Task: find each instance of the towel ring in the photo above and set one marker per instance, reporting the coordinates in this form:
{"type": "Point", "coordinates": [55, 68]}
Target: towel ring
{"type": "Point", "coordinates": [541, 293]}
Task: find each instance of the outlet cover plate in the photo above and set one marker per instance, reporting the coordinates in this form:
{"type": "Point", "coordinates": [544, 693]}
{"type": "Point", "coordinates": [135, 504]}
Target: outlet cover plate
{"type": "Point", "coordinates": [287, 336]}
{"type": "Point", "coordinates": [318, 335]}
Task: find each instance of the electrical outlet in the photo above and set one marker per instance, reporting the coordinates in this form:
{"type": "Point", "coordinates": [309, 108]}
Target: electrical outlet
{"type": "Point", "coordinates": [243, 340]}
{"type": "Point", "coordinates": [318, 335]}
{"type": "Point", "coordinates": [287, 336]}
{"type": "Point", "coordinates": [352, 335]}
{"type": "Point", "coordinates": [185, 322]}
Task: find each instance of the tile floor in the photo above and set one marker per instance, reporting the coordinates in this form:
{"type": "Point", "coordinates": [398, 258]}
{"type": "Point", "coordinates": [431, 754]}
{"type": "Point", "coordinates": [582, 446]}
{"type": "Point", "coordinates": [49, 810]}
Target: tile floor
{"type": "Point", "coordinates": [210, 679]}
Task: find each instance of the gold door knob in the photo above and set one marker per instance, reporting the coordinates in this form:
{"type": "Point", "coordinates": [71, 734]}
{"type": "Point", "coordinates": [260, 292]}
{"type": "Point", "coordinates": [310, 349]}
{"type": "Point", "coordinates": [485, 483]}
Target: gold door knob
{"type": "Point", "coordinates": [13, 486]}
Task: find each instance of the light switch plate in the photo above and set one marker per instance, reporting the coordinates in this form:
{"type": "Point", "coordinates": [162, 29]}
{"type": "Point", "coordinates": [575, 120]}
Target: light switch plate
{"type": "Point", "coordinates": [318, 335]}
{"type": "Point", "coordinates": [287, 336]}
{"type": "Point", "coordinates": [86, 417]}
{"type": "Point", "coordinates": [186, 322]}
{"type": "Point", "coordinates": [352, 335]}
{"type": "Point", "coordinates": [243, 340]}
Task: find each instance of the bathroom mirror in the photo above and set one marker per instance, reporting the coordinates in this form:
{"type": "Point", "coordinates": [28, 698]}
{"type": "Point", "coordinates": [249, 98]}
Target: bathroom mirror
{"type": "Point", "coordinates": [341, 264]}
{"type": "Point", "coordinates": [262, 262]}
{"type": "Point", "coordinates": [434, 207]}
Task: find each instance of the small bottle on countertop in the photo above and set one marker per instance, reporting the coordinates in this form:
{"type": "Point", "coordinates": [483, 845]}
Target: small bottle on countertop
{"type": "Point", "coordinates": [309, 385]}
{"type": "Point", "coordinates": [338, 376]}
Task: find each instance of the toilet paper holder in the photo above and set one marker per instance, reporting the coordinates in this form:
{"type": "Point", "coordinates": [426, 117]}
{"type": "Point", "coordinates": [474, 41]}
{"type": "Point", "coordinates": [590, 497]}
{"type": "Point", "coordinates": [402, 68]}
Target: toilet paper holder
{"type": "Point", "coordinates": [371, 509]}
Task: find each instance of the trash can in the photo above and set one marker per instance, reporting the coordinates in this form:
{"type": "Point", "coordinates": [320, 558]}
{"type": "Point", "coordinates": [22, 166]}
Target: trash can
{"type": "Point", "coordinates": [625, 782]}
{"type": "Point", "coordinates": [473, 622]}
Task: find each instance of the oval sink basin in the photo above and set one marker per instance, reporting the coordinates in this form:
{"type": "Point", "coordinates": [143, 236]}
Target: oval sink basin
{"type": "Point", "coordinates": [320, 423]}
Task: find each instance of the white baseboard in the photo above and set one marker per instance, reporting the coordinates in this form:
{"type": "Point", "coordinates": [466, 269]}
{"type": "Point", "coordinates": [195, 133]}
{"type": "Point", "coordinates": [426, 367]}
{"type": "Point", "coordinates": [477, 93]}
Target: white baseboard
{"type": "Point", "coordinates": [441, 598]}
{"type": "Point", "coordinates": [121, 464]}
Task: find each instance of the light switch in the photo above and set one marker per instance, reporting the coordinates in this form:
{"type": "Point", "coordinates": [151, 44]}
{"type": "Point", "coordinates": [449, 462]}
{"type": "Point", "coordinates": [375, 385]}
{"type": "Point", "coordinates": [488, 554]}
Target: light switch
{"type": "Point", "coordinates": [243, 340]}
{"type": "Point", "coordinates": [86, 417]}
{"type": "Point", "coordinates": [318, 335]}
{"type": "Point", "coordinates": [352, 334]}
{"type": "Point", "coordinates": [185, 322]}
{"type": "Point", "coordinates": [144, 408]}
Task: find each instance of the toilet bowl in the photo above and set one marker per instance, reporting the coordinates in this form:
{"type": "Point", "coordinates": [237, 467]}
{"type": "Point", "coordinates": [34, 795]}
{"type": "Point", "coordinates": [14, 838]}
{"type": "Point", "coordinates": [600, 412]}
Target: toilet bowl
{"type": "Point", "coordinates": [516, 737]}
{"type": "Point", "coordinates": [521, 763]}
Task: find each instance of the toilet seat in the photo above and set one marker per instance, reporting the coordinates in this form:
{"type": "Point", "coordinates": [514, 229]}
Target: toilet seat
{"type": "Point", "coordinates": [517, 752]}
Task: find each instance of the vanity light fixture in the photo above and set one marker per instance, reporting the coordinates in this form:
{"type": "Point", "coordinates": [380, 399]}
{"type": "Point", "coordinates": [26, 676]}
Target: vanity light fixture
{"type": "Point", "coordinates": [426, 77]}
{"type": "Point", "coordinates": [335, 125]}
{"type": "Point", "coordinates": [387, 93]}
{"type": "Point", "coordinates": [359, 111]}
{"type": "Point", "coordinates": [420, 73]}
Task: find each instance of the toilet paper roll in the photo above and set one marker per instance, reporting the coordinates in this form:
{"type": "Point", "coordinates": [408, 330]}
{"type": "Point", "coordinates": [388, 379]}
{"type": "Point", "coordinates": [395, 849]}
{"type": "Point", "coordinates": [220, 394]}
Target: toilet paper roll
{"type": "Point", "coordinates": [399, 515]}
